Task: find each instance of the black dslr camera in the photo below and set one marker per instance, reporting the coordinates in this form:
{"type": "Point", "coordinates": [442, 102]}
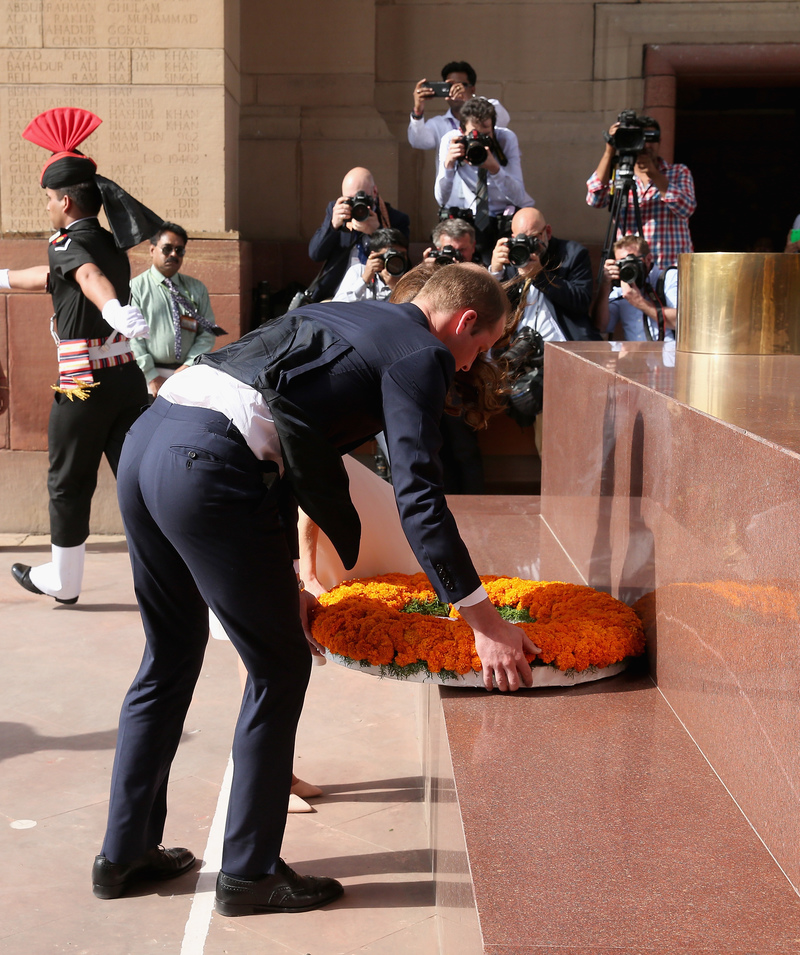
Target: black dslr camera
{"type": "Point", "coordinates": [476, 146]}
{"type": "Point", "coordinates": [447, 255]}
{"type": "Point", "coordinates": [632, 270]}
{"type": "Point", "coordinates": [360, 205]}
{"type": "Point", "coordinates": [454, 212]}
{"type": "Point", "coordinates": [521, 248]}
{"type": "Point", "coordinates": [630, 137]}
{"type": "Point", "coordinates": [395, 263]}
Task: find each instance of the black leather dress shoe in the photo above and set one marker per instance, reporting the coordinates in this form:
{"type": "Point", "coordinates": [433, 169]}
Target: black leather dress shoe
{"type": "Point", "coordinates": [22, 574]}
{"type": "Point", "coordinates": [110, 880]}
{"type": "Point", "coordinates": [285, 891]}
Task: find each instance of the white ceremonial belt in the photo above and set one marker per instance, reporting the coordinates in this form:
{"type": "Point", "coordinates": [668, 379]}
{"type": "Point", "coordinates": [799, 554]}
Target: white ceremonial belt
{"type": "Point", "coordinates": [98, 352]}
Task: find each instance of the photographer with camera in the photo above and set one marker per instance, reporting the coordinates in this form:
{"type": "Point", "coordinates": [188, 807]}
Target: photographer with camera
{"type": "Point", "coordinates": [343, 238]}
{"type": "Point", "coordinates": [636, 295]}
{"type": "Point", "coordinates": [480, 171]}
{"type": "Point", "coordinates": [376, 279]}
{"type": "Point", "coordinates": [453, 241]}
{"type": "Point", "coordinates": [457, 88]}
{"type": "Point", "coordinates": [554, 277]}
{"type": "Point", "coordinates": [549, 281]}
{"type": "Point", "coordinates": [664, 192]}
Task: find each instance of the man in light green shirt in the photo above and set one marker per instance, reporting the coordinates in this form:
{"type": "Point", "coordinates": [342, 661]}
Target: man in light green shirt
{"type": "Point", "coordinates": [176, 307]}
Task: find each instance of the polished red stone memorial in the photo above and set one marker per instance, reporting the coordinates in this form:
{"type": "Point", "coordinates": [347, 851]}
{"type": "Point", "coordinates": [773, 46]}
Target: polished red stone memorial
{"type": "Point", "coordinates": [657, 811]}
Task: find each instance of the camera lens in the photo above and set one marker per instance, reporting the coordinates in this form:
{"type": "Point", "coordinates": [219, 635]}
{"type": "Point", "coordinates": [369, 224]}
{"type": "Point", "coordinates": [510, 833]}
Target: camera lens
{"type": "Point", "coordinates": [360, 206]}
{"type": "Point", "coordinates": [519, 255]}
{"type": "Point", "coordinates": [395, 263]}
{"type": "Point", "coordinates": [631, 270]}
{"type": "Point", "coordinates": [521, 248]}
{"type": "Point", "coordinates": [476, 154]}
{"type": "Point", "coordinates": [447, 255]}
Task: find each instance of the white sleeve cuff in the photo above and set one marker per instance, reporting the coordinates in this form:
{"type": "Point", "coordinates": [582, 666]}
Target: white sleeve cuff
{"type": "Point", "coordinates": [4, 283]}
{"type": "Point", "coordinates": [471, 599]}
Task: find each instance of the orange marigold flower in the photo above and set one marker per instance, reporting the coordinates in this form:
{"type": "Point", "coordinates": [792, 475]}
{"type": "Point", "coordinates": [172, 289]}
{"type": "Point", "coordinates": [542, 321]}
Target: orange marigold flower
{"type": "Point", "coordinates": [576, 627]}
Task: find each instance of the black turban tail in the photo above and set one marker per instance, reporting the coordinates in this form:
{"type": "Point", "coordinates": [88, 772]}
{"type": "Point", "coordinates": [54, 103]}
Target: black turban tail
{"type": "Point", "coordinates": [130, 220]}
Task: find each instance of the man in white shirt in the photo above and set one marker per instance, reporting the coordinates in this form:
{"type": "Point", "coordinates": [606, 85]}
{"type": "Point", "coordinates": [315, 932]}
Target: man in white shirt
{"type": "Point", "coordinates": [427, 133]}
{"type": "Point", "coordinates": [457, 179]}
{"type": "Point", "coordinates": [375, 280]}
{"type": "Point", "coordinates": [555, 290]}
{"type": "Point", "coordinates": [480, 171]}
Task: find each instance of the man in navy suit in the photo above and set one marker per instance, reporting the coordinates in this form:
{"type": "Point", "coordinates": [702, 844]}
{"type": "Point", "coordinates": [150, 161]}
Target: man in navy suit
{"type": "Point", "coordinates": [343, 237]}
{"type": "Point", "coordinates": [209, 483]}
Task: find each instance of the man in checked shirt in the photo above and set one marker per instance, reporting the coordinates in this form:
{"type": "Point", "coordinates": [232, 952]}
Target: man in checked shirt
{"type": "Point", "coordinates": [666, 197]}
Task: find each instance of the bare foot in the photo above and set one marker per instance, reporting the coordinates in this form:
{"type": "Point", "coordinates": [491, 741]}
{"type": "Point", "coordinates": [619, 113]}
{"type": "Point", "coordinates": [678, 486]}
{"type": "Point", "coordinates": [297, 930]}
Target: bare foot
{"type": "Point", "coordinates": [303, 789]}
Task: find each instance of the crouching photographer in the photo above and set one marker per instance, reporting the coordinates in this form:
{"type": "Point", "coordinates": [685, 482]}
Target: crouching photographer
{"type": "Point", "coordinates": [636, 299]}
{"type": "Point", "coordinates": [376, 279]}
{"type": "Point", "coordinates": [342, 240]}
{"type": "Point", "coordinates": [453, 241]}
{"type": "Point", "coordinates": [480, 172]}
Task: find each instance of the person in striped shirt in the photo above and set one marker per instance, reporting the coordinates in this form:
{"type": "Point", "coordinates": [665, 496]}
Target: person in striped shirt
{"type": "Point", "coordinates": [665, 192]}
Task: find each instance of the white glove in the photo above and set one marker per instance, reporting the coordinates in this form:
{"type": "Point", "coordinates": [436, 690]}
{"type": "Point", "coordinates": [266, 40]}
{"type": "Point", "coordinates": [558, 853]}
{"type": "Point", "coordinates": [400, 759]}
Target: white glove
{"type": "Point", "coordinates": [126, 319]}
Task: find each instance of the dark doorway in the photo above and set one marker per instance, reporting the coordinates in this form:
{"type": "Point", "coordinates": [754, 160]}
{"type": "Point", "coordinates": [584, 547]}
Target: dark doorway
{"type": "Point", "coordinates": [742, 146]}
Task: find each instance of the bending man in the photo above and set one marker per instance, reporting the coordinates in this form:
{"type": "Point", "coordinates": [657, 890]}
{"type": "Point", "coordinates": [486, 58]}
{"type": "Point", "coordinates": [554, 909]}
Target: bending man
{"type": "Point", "coordinates": [208, 486]}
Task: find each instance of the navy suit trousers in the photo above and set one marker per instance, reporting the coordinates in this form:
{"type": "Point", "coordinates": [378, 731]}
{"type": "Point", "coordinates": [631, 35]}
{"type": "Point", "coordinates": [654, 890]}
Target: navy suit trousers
{"type": "Point", "coordinates": [203, 531]}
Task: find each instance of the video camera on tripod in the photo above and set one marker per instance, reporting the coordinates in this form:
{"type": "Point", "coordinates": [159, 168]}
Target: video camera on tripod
{"type": "Point", "coordinates": [629, 139]}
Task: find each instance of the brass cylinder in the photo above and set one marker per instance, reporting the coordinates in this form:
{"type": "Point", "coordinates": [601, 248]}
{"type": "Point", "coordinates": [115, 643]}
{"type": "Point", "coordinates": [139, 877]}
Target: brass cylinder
{"type": "Point", "coordinates": [739, 303]}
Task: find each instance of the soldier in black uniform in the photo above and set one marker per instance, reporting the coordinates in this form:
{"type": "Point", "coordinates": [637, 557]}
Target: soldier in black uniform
{"type": "Point", "coordinates": [101, 390]}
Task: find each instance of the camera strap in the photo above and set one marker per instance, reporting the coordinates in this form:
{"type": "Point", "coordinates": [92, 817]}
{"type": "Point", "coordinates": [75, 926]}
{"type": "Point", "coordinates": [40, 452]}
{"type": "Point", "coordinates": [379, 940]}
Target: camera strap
{"type": "Point", "coordinates": [648, 289]}
{"type": "Point", "coordinates": [482, 217]}
{"type": "Point", "coordinates": [661, 327]}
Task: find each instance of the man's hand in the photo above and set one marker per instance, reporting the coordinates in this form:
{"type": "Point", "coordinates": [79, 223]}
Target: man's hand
{"type": "Point", "coordinates": [458, 94]}
{"type": "Point", "coordinates": [421, 92]}
{"type": "Point", "coordinates": [500, 257]}
{"type": "Point", "coordinates": [455, 152]}
{"type": "Point", "coordinates": [501, 647]}
{"type": "Point", "coordinates": [610, 272]}
{"type": "Point", "coordinates": [633, 295]}
{"type": "Point", "coordinates": [491, 164]}
{"type": "Point", "coordinates": [154, 385]}
{"type": "Point", "coordinates": [307, 603]}
{"type": "Point", "coordinates": [342, 213]}
{"type": "Point", "coordinates": [372, 266]}
{"type": "Point", "coordinates": [645, 167]}
{"type": "Point", "coordinates": [126, 319]}
{"type": "Point", "coordinates": [367, 226]}
{"type": "Point", "coordinates": [646, 170]}
{"type": "Point", "coordinates": [603, 171]}
{"type": "Point", "coordinates": [532, 268]}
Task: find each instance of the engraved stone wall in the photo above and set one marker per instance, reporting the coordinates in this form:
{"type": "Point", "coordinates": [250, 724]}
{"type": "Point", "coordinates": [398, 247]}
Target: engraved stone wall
{"type": "Point", "coordinates": [155, 73]}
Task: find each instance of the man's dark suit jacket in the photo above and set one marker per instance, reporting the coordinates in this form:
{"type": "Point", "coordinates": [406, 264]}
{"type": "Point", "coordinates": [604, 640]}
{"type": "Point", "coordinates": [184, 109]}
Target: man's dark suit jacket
{"type": "Point", "coordinates": [334, 375]}
{"type": "Point", "coordinates": [566, 280]}
{"type": "Point", "coordinates": [332, 246]}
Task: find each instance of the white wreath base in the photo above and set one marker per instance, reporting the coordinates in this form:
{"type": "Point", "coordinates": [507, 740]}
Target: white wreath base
{"type": "Point", "coordinates": [543, 676]}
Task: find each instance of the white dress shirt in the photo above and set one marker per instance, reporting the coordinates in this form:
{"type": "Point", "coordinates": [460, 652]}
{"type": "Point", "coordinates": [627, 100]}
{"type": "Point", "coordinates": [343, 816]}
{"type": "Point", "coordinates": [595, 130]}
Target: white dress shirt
{"type": "Point", "coordinates": [457, 186]}
{"type": "Point", "coordinates": [427, 133]}
{"type": "Point", "coordinates": [540, 315]}
{"type": "Point", "coordinates": [353, 289]}
{"type": "Point", "coordinates": [201, 386]}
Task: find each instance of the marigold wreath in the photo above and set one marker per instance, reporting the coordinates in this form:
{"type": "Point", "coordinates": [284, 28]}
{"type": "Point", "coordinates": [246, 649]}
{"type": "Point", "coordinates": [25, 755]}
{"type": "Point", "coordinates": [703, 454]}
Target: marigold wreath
{"type": "Point", "coordinates": [395, 623]}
